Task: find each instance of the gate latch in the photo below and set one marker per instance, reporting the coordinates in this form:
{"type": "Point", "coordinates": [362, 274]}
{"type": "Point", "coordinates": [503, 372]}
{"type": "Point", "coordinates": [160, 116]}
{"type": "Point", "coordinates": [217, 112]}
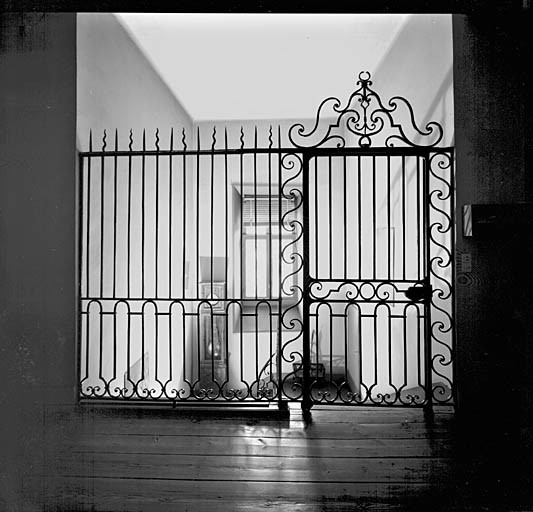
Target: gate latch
{"type": "Point", "coordinates": [419, 293]}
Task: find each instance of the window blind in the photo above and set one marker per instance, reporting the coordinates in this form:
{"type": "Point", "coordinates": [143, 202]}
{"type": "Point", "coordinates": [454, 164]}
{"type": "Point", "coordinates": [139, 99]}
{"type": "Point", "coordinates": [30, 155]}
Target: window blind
{"type": "Point", "coordinates": [255, 209]}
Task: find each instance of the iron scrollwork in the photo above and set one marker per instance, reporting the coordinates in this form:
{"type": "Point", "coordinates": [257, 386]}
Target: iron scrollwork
{"type": "Point", "coordinates": [364, 117]}
{"type": "Point", "coordinates": [440, 168]}
{"type": "Point", "coordinates": [292, 282]}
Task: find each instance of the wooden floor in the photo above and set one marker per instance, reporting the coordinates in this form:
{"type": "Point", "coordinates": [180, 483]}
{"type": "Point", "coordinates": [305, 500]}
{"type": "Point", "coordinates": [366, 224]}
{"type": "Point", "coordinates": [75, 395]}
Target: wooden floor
{"type": "Point", "coordinates": [359, 459]}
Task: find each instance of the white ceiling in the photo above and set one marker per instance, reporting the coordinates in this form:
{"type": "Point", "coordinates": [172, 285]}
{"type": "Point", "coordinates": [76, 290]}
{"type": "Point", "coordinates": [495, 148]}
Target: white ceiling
{"type": "Point", "coordinates": [261, 66]}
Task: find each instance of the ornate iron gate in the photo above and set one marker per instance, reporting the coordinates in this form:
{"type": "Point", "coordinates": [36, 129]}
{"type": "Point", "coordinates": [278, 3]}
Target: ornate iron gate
{"type": "Point", "coordinates": [317, 270]}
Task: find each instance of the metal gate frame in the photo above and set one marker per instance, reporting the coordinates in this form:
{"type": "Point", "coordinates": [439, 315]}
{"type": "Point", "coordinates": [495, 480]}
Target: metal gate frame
{"type": "Point", "coordinates": [364, 121]}
{"type": "Point", "coordinates": [429, 291]}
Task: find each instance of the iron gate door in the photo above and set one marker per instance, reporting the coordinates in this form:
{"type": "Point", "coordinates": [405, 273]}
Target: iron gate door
{"type": "Point", "coordinates": [368, 290]}
{"type": "Point", "coordinates": [378, 217]}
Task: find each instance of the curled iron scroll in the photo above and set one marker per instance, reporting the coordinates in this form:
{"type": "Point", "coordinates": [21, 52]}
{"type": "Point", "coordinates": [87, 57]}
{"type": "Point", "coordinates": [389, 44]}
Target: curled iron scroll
{"type": "Point", "coordinates": [365, 117]}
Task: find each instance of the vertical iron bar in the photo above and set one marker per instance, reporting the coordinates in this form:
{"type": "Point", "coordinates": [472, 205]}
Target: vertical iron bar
{"type": "Point", "coordinates": [184, 343]}
{"type": "Point", "coordinates": [226, 226]}
{"type": "Point", "coordinates": [452, 262]}
{"type": "Point", "coordinates": [419, 329]}
{"type": "Point", "coordinates": [317, 311]}
{"type": "Point", "coordinates": [212, 316]}
{"type": "Point", "coordinates": [360, 343]}
{"type": "Point", "coordinates": [143, 342]}
{"type": "Point", "coordinates": [390, 346]}
{"type": "Point", "coordinates": [269, 258]}
{"type": "Point", "coordinates": [419, 256]}
{"type": "Point", "coordinates": [212, 208]}
{"type": "Point", "coordinates": [88, 268]}
{"type": "Point", "coordinates": [128, 348]}
{"type": "Point", "coordinates": [114, 345]}
{"type": "Point", "coordinates": [346, 318]}
{"type": "Point", "coordinates": [345, 218]}
{"type": "Point", "coordinates": [87, 351]}
{"type": "Point", "coordinates": [280, 303]}
{"type": "Point", "coordinates": [425, 238]}
{"type": "Point", "coordinates": [256, 269]}
{"type": "Point", "coordinates": [170, 359]}
{"type": "Point", "coordinates": [389, 248]}
{"type": "Point", "coordinates": [331, 317]}
{"type": "Point", "coordinates": [200, 329]}
{"type": "Point", "coordinates": [374, 227]}
{"type": "Point", "coordinates": [143, 184]}
{"type": "Point", "coordinates": [427, 283]}
{"type": "Point", "coordinates": [375, 345]}
{"type": "Point", "coordinates": [255, 211]}
{"type": "Point", "coordinates": [198, 218]}
{"type": "Point", "coordinates": [306, 399]}
{"type": "Point", "coordinates": [270, 354]}
{"type": "Point", "coordinates": [156, 277]}
{"type": "Point", "coordinates": [317, 244]}
{"type": "Point", "coordinates": [405, 355]}
{"type": "Point", "coordinates": [226, 345]}
{"type": "Point", "coordinates": [403, 217]}
{"type": "Point", "coordinates": [330, 221]}
{"type": "Point", "coordinates": [156, 341]}
{"type": "Point", "coordinates": [257, 344]}
{"type": "Point", "coordinates": [129, 213]}
{"type": "Point", "coordinates": [115, 218]}
{"type": "Point", "coordinates": [241, 343]}
{"type": "Point", "coordinates": [170, 217]}
{"type": "Point", "coordinates": [184, 204]}
{"type": "Point", "coordinates": [241, 257]}
{"type": "Point", "coordinates": [102, 205]}
{"type": "Point", "coordinates": [79, 285]}
{"type": "Point", "coordinates": [359, 234]}
{"type": "Point", "coordinates": [100, 358]}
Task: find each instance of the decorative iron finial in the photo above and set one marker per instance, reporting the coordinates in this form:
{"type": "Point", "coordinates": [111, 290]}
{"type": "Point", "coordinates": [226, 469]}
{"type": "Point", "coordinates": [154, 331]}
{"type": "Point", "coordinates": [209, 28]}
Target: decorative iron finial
{"type": "Point", "coordinates": [157, 139]}
{"type": "Point", "coordinates": [130, 145]}
{"type": "Point", "coordinates": [214, 138]}
{"type": "Point", "coordinates": [366, 118]}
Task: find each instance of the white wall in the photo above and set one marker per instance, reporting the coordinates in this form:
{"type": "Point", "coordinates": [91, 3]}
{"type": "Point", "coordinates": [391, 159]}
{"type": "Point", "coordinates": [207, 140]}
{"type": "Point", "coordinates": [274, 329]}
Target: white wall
{"type": "Point", "coordinates": [119, 90]}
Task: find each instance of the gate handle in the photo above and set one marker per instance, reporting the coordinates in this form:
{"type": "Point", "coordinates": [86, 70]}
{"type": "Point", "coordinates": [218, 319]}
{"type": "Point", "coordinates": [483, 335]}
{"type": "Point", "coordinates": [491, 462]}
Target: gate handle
{"type": "Point", "coordinates": [419, 293]}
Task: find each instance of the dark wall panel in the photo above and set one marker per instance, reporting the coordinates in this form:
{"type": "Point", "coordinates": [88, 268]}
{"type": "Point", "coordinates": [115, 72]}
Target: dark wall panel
{"type": "Point", "coordinates": [494, 308]}
{"type": "Point", "coordinates": [37, 241]}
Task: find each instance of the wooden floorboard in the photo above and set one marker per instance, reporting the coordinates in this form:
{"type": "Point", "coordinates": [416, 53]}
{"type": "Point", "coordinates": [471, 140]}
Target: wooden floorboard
{"type": "Point", "coordinates": [263, 447]}
{"type": "Point", "coordinates": [125, 494]}
{"type": "Point", "coordinates": [343, 459]}
{"type": "Point", "coordinates": [294, 430]}
{"type": "Point", "coordinates": [259, 469]}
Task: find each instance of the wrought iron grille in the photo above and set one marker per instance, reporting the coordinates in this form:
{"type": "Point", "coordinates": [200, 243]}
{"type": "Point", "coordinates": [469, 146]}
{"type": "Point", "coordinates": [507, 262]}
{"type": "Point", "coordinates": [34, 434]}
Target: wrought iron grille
{"type": "Point", "coordinates": [320, 270]}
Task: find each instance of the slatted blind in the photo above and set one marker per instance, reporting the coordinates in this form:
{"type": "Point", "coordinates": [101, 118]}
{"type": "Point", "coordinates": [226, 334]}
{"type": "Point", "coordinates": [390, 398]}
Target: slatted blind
{"type": "Point", "coordinates": [255, 209]}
